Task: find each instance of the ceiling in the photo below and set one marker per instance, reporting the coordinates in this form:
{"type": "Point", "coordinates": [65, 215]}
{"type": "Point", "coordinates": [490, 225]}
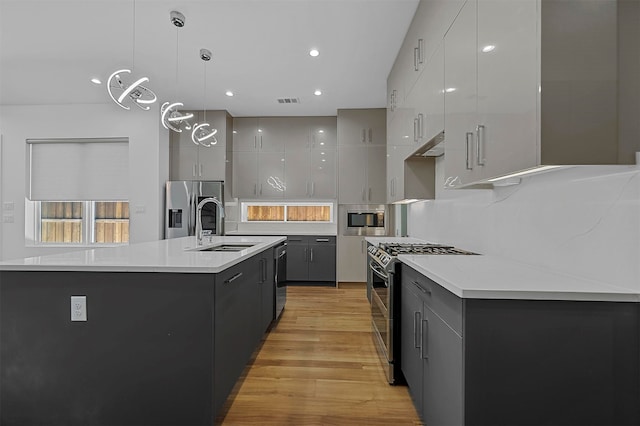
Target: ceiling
{"type": "Point", "coordinates": [49, 50]}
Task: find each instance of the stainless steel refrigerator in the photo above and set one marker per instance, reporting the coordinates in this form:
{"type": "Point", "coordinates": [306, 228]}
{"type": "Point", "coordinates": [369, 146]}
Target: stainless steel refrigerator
{"type": "Point", "coordinates": [181, 200]}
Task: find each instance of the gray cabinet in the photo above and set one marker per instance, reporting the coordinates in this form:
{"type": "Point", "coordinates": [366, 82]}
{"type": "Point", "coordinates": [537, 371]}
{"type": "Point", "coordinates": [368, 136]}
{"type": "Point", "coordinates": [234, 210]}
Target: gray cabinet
{"type": "Point", "coordinates": [311, 259]}
{"type": "Point", "coordinates": [517, 362]}
{"type": "Point", "coordinates": [431, 348]}
{"type": "Point", "coordinates": [267, 290]}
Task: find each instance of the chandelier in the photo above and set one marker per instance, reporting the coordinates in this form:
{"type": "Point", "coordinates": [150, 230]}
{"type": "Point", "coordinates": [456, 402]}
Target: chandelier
{"type": "Point", "coordinates": [119, 83]}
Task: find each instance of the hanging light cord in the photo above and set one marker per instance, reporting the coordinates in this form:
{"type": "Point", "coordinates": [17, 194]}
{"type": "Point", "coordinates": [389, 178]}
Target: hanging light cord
{"type": "Point", "coordinates": [204, 102]}
{"type": "Point", "coordinates": [133, 59]}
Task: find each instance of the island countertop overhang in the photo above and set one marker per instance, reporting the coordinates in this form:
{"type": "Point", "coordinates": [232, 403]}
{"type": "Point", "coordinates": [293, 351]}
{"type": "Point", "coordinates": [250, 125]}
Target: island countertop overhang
{"type": "Point", "coordinates": [176, 255]}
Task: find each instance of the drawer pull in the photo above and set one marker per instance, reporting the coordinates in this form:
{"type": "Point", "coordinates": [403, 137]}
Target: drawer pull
{"type": "Point", "coordinates": [322, 240]}
{"type": "Point", "coordinates": [422, 289]}
{"type": "Point", "coordinates": [233, 278]}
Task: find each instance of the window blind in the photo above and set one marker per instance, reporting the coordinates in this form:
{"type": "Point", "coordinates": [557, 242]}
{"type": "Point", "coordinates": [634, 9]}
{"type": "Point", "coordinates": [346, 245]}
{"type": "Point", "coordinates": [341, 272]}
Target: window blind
{"type": "Point", "coordinates": [78, 169]}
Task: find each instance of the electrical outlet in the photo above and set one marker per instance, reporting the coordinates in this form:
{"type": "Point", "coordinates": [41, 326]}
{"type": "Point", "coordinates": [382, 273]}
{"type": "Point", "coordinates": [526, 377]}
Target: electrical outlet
{"type": "Point", "coordinates": [78, 308]}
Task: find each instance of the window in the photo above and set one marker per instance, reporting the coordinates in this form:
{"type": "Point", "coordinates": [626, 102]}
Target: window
{"type": "Point", "coordinates": [81, 222]}
{"type": "Point", "coordinates": [77, 192]}
{"type": "Point", "coordinates": [287, 212]}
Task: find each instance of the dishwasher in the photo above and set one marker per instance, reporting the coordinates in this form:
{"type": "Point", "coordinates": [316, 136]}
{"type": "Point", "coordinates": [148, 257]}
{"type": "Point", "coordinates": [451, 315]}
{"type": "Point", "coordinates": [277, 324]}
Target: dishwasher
{"type": "Point", "coordinates": [280, 279]}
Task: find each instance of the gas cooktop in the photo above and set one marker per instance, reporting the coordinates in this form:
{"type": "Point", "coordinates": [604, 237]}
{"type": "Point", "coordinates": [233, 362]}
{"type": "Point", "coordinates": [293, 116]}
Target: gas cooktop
{"type": "Point", "coordinates": [394, 249]}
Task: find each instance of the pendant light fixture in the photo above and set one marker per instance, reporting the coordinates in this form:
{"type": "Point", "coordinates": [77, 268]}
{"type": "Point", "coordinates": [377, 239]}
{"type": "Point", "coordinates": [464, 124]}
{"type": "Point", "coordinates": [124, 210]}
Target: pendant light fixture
{"type": "Point", "coordinates": [203, 134]}
{"type": "Point", "coordinates": [170, 115]}
{"type": "Point", "coordinates": [121, 88]}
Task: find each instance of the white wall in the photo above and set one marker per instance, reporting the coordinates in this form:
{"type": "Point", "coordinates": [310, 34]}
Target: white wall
{"type": "Point", "coordinates": [148, 162]}
{"type": "Point", "coordinates": [583, 221]}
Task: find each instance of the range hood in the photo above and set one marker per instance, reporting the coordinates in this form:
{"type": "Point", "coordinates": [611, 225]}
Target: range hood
{"type": "Point", "coordinates": [433, 148]}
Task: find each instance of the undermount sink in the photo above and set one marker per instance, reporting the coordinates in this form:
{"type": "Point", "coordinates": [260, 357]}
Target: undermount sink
{"type": "Point", "coordinates": [228, 247]}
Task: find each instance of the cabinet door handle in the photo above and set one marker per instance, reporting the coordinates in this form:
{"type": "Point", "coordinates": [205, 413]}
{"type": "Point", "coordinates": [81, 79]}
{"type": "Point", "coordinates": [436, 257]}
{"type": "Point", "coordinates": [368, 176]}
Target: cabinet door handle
{"type": "Point", "coordinates": [416, 326]}
{"type": "Point", "coordinates": [369, 194]}
{"type": "Point", "coordinates": [261, 189]}
{"type": "Point", "coordinates": [313, 188]}
{"type": "Point", "coordinates": [469, 162]}
{"type": "Point", "coordinates": [415, 129]}
{"type": "Point", "coordinates": [424, 353]}
{"type": "Point", "coordinates": [370, 135]}
{"type": "Point", "coordinates": [415, 59]}
{"type": "Point", "coordinates": [311, 255]}
{"type": "Point", "coordinates": [322, 240]}
{"type": "Point", "coordinates": [392, 100]}
{"type": "Point", "coordinates": [364, 136]}
{"type": "Point", "coordinates": [260, 141]}
{"type": "Point", "coordinates": [200, 170]}
{"type": "Point", "coordinates": [233, 278]}
{"type": "Point", "coordinates": [422, 289]}
{"type": "Point", "coordinates": [393, 186]}
{"type": "Point", "coordinates": [420, 51]}
{"type": "Point", "coordinates": [362, 246]}
{"type": "Point", "coordinates": [480, 145]}
{"type": "Point", "coordinates": [194, 171]}
{"type": "Point", "coordinates": [420, 126]}
{"type": "Point", "coordinates": [306, 256]}
{"type": "Point", "coordinates": [255, 142]}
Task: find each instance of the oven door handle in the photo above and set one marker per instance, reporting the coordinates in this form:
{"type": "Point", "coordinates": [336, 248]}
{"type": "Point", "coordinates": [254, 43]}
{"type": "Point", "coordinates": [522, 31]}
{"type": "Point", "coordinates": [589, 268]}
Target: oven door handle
{"type": "Point", "coordinates": [378, 271]}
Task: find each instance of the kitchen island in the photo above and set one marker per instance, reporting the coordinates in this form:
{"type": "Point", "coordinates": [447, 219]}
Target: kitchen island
{"type": "Point", "coordinates": [168, 331]}
{"type": "Point", "coordinates": [487, 340]}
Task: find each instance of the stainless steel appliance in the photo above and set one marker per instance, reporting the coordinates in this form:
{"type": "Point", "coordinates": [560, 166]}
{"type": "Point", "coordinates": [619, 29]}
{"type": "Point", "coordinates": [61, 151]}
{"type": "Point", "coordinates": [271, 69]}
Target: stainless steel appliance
{"type": "Point", "coordinates": [383, 283]}
{"type": "Point", "coordinates": [280, 258]}
{"type": "Point", "coordinates": [181, 200]}
{"type": "Point", "coordinates": [364, 219]}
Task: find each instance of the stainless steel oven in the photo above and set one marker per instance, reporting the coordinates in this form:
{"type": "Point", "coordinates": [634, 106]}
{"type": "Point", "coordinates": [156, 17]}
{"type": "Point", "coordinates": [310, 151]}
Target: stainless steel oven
{"type": "Point", "coordinates": [382, 280]}
{"type": "Point", "coordinates": [382, 312]}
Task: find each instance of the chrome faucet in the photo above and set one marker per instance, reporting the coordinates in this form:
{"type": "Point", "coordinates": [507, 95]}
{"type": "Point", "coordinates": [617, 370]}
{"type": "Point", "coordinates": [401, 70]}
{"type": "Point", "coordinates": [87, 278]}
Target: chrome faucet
{"type": "Point", "coordinates": [199, 215]}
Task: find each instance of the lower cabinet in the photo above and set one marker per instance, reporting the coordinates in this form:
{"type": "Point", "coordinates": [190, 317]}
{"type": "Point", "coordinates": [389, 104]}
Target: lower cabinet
{"type": "Point", "coordinates": [352, 255]}
{"type": "Point", "coordinates": [244, 309]}
{"type": "Point", "coordinates": [431, 349]}
{"type": "Point", "coordinates": [311, 259]}
{"type": "Point", "coordinates": [518, 362]}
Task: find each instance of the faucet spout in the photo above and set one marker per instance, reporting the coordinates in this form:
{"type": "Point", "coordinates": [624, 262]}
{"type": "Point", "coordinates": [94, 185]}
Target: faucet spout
{"type": "Point", "coordinates": [199, 215]}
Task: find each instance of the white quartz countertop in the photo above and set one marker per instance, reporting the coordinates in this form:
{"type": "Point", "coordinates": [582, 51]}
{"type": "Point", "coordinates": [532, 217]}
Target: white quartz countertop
{"type": "Point", "coordinates": [173, 255]}
{"type": "Point", "coordinates": [493, 277]}
{"type": "Point", "coordinates": [280, 233]}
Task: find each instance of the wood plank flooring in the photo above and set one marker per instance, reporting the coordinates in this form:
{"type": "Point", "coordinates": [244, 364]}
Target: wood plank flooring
{"type": "Point", "coordinates": [318, 366]}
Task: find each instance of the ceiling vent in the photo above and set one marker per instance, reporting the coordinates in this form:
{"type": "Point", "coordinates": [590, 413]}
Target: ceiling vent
{"type": "Point", "coordinates": [288, 100]}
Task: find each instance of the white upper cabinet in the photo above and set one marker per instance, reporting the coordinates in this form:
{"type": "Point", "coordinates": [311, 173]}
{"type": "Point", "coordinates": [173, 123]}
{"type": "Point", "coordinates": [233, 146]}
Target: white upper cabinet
{"type": "Point", "coordinates": [362, 156]}
{"type": "Point", "coordinates": [263, 134]}
{"type": "Point", "coordinates": [532, 83]}
{"type": "Point", "coordinates": [189, 161]}
{"type": "Point", "coordinates": [491, 90]}
{"type": "Point", "coordinates": [285, 157]}
{"type": "Point", "coordinates": [363, 127]}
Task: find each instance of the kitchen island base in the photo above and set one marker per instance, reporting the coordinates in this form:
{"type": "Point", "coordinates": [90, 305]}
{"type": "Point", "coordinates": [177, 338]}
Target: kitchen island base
{"type": "Point", "coordinates": [157, 348]}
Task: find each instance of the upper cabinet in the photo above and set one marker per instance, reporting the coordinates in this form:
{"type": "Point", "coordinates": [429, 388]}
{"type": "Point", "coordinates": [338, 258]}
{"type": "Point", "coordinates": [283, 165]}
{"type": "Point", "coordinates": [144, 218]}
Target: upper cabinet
{"type": "Point", "coordinates": [362, 127]}
{"type": "Point", "coordinates": [490, 90]}
{"type": "Point", "coordinates": [189, 161]}
{"type": "Point", "coordinates": [532, 83]}
{"type": "Point", "coordinates": [362, 156]}
{"type": "Point", "coordinates": [284, 157]}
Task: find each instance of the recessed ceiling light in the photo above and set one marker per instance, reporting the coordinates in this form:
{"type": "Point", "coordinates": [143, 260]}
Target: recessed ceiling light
{"type": "Point", "coordinates": [317, 93]}
{"type": "Point", "coordinates": [314, 52]}
{"type": "Point", "coordinates": [229, 93]}
{"type": "Point", "coordinates": [320, 131]}
{"type": "Point", "coordinates": [96, 80]}
{"type": "Point", "coordinates": [488, 48]}
{"type": "Point", "coordinates": [450, 89]}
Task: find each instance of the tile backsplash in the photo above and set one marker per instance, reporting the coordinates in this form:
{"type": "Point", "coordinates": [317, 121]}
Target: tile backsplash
{"type": "Point", "coordinates": [580, 220]}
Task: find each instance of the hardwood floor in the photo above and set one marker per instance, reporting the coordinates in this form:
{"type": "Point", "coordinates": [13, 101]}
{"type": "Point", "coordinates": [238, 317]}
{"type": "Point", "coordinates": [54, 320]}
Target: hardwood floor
{"type": "Point", "coordinates": [318, 366]}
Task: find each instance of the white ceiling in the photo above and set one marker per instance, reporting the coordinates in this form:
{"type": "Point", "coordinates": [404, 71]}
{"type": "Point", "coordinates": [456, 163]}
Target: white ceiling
{"type": "Point", "coordinates": [49, 49]}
